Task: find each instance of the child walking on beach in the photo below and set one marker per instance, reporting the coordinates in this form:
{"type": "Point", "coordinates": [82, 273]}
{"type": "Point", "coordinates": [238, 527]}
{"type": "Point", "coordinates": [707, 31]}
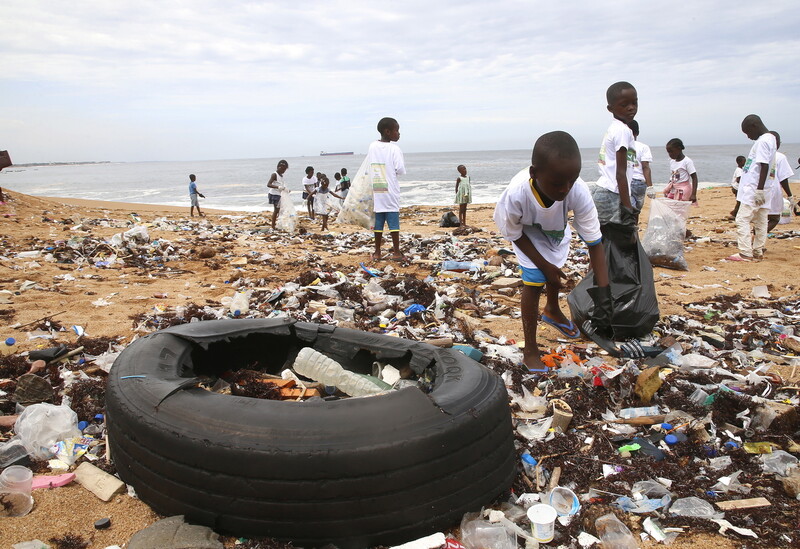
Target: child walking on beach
{"type": "Point", "coordinates": [344, 185]}
{"type": "Point", "coordinates": [321, 197]}
{"type": "Point", "coordinates": [463, 194]}
{"type": "Point", "coordinates": [532, 213]}
{"type": "Point", "coordinates": [385, 162]}
{"type": "Point", "coordinates": [275, 186]}
{"type": "Point", "coordinates": [683, 179]}
{"type": "Point", "coordinates": [309, 186]}
{"type": "Point", "coordinates": [754, 206]}
{"type": "Point", "coordinates": [193, 194]}
{"type": "Point", "coordinates": [612, 194]}
{"type": "Point", "coordinates": [737, 175]}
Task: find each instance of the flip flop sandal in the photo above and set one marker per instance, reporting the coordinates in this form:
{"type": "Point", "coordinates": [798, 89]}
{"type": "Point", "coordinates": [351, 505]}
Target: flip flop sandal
{"type": "Point", "coordinates": [604, 343]}
{"type": "Point", "coordinates": [370, 272]}
{"type": "Point", "coordinates": [737, 257]}
{"type": "Point", "coordinates": [633, 349]}
{"type": "Point", "coordinates": [565, 329]}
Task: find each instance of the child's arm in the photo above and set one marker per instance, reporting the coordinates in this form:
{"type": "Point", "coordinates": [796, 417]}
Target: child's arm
{"type": "Point", "coordinates": [597, 259]}
{"type": "Point", "coordinates": [552, 273]}
{"type": "Point", "coordinates": [273, 179]}
{"type": "Point", "coordinates": [458, 180]}
{"type": "Point", "coordinates": [648, 179]}
{"type": "Point", "coordinates": [336, 195]}
{"type": "Point", "coordinates": [694, 187]}
{"type": "Point", "coordinates": [622, 177]}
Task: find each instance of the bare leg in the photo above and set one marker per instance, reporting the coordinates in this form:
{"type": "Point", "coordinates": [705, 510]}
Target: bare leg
{"type": "Point", "coordinates": [275, 213]}
{"type": "Point", "coordinates": [529, 303]}
{"type": "Point", "coordinates": [324, 222]}
{"type": "Point", "coordinates": [462, 214]}
{"type": "Point", "coordinates": [396, 253]}
{"type": "Point", "coordinates": [378, 240]}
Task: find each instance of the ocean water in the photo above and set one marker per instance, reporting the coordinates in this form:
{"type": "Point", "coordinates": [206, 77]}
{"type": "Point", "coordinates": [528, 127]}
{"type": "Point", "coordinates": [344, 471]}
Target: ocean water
{"type": "Point", "coordinates": [240, 185]}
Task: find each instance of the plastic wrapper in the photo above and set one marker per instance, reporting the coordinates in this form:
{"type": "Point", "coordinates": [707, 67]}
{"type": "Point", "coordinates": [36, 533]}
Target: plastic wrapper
{"type": "Point", "coordinates": [666, 231]}
{"type": "Point", "coordinates": [287, 216]}
{"type": "Point", "coordinates": [41, 426]}
{"type": "Point", "coordinates": [359, 206]}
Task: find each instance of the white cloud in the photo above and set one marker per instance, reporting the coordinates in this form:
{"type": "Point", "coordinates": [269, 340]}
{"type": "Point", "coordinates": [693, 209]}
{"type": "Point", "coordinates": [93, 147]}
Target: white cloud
{"type": "Point", "coordinates": [213, 79]}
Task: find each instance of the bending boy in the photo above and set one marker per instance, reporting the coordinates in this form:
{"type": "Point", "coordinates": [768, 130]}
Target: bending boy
{"type": "Point", "coordinates": [532, 213]}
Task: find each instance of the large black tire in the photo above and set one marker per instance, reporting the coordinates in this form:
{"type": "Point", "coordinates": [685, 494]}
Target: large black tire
{"type": "Point", "coordinates": [355, 472]}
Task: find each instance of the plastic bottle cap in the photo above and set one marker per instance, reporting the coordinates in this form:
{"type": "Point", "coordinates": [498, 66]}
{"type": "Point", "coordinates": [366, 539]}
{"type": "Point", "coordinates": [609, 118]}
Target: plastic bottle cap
{"type": "Point", "coordinates": [103, 523]}
{"type": "Point", "coordinates": [10, 341]}
{"type": "Point", "coordinates": [236, 312]}
{"type": "Point", "coordinates": [99, 417]}
{"type": "Point", "coordinates": [731, 444]}
{"type": "Point", "coordinates": [83, 425]}
{"type": "Point", "coordinates": [666, 426]}
{"type": "Point", "coordinates": [670, 439]}
{"type": "Point", "coordinates": [529, 459]}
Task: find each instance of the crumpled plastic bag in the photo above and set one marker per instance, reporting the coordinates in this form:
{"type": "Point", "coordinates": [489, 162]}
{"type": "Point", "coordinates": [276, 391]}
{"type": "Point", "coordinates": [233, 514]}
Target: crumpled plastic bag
{"type": "Point", "coordinates": [41, 426]}
{"type": "Point", "coordinates": [359, 205]}
{"type": "Point", "coordinates": [287, 216]}
{"type": "Point", "coordinates": [665, 233]}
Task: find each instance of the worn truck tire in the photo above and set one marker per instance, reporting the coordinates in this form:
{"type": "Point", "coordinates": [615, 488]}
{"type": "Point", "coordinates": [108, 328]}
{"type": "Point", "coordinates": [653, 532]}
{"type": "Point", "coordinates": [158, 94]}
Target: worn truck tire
{"type": "Point", "coordinates": [355, 472]}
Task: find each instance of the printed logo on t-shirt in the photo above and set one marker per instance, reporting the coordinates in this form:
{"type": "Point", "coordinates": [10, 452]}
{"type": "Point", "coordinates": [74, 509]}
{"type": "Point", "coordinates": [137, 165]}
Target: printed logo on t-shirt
{"type": "Point", "coordinates": [602, 158]}
{"type": "Point", "coordinates": [747, 165]}
{"type": "Point", "coordinates": [378, 174]}
{"type": "Point", "coordinates": [632, 157]}
{"type": "Point", "coordinates": [555, 236]}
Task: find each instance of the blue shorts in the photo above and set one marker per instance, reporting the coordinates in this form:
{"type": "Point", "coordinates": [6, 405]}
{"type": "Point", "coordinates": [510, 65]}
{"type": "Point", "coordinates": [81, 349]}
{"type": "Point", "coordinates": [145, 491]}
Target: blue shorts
{"type": "Point", "coordinates": [392, 219]}
{"type": "Point", "coordinates": [532, 277]}
{"type": "Point", "coordinates": [274, 199]}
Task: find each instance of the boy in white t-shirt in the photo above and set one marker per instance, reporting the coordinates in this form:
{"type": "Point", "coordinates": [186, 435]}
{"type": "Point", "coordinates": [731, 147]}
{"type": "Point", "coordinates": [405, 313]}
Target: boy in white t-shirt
{"type": "Point", "coordinates": [779, 173]}
{"type": "Point", "coordinates": [612, 194]}
{"type": "Point", "coordinates": [532, 213]}
{"type": "Point", "coordinates": [310, 183]}
{"type": "Point", "coordinates": [753, 195]}
{"type": "Point", "coordinates": [737, 176]}
{"type": "Point", "coordinates": [385, 163]}
{"type": "Point", "coordinates": [642, 181]}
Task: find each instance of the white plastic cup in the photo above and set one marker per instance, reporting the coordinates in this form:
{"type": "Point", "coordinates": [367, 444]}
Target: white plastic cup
{"type": "Point", "coordinates": [564, 501]}
{"type": "Point", "coordinates": [542, 517]}
{"type": "Point", "coordinates": [15, 491]}
{"type": "Point", "coordinates": [16, 478]}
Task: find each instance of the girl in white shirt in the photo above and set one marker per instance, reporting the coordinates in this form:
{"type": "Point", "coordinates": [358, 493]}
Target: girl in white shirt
{"type": "Point", "coordinates": [683, 181]}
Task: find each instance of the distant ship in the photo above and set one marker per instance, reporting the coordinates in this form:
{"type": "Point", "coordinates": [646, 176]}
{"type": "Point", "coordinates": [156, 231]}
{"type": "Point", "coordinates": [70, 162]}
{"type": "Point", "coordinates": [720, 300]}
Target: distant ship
{"type": "Point", "coordinates": [323, 153]}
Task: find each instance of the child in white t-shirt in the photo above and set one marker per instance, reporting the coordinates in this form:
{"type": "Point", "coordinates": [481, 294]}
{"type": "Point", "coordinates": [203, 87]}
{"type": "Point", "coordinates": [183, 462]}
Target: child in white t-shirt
{"type": "Point", "coordinates": [385, 163]}
{"type": "Point", "coordinates": [753, 194]}
{"type": "Point", "coordinates": [641, 178]}
{"type": "Point", "coordinates": [532, 213]}
{"type": "Point", "coordinates": [779, 173]}
{"type": "Point", "coordinates": [683, 179]}
{"type": "Point", "coordinates": [737, 175]}
{"type": "Point", "coordinates": [322, 200]}
{"type": "Point", "coordinates": [310, 183]}
{"type": "Point", "coordinates": [612, 194]}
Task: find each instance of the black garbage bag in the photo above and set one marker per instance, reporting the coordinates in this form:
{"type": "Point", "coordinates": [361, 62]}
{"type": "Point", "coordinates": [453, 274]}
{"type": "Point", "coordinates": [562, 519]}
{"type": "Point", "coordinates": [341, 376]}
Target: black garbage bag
{"type": "Point", "coordinates": [449, 220]}
{"type": "Point", "coordinates": [635, 309]}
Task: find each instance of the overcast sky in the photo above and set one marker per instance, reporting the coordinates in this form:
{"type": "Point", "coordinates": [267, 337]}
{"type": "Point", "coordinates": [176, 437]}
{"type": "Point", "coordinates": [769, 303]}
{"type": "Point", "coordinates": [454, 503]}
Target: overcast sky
{"type": "Point", "coordinates": [213, 79]}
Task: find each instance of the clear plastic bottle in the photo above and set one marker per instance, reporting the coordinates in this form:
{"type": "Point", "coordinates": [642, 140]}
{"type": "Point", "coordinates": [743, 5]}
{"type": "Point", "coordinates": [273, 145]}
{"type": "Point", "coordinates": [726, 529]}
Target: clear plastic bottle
{"type": "Point", "coordinates": [614, 534]}
{"type": "Point", "coordinates": [315, 365]}
{"type": "Point", "coordinates": [458, 266]}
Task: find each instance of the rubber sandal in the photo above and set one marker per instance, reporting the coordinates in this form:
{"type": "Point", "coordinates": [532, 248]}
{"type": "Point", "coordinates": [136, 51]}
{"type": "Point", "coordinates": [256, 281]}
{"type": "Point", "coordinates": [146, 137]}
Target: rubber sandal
{"type": "Point", "coordinates": [737, 257]}
{"type": "Point", "coordinates": [633, 349]}
{"type": "Point", "coordinates": [370, 272]}
{"type": "Point", "coordinates": [606, 344]}
{"type": "Point", "coordinates": [565, 329]}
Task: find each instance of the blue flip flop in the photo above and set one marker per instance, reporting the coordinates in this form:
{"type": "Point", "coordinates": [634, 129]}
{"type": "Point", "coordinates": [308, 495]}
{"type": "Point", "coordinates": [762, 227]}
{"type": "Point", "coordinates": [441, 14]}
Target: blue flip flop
{"type": "Point", "coordinates": [563, 328]}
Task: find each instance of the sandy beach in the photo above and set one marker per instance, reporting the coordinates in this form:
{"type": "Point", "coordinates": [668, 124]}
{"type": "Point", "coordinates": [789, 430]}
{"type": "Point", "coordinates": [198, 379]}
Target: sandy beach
{"type": "Point", "coordinates": [203, 260]}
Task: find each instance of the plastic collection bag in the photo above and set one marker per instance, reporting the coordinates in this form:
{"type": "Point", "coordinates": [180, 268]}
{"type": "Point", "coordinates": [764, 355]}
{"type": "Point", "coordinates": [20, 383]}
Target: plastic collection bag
{"type": "Point", "coordinates": [359, 206]}
{"type": "Point", "coordinates": [635, 304]}
{"type": "Point", "coordinates": [41, 426]}
{"type": "Point", "coordinates": [666, 231]}
{"type": "Point", "coordinates": [287, 216]}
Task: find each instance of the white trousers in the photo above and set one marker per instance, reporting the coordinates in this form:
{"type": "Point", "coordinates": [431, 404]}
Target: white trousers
{"type": "Point", "coordinates": [758, 217]}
